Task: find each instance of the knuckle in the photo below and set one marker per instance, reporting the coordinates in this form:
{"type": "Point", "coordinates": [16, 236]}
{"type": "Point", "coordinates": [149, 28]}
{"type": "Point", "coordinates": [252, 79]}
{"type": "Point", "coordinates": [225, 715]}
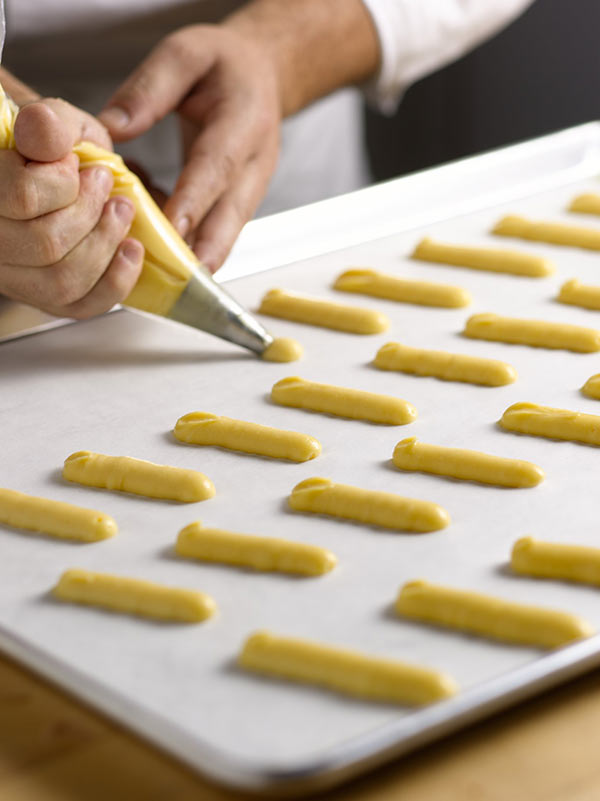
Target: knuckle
{"type": "Point", "coordinates": [48, 249]}
{"type": "Point", "coordinates": [63, 289]}
{"type": "Point", "coordinates": [24, 198]}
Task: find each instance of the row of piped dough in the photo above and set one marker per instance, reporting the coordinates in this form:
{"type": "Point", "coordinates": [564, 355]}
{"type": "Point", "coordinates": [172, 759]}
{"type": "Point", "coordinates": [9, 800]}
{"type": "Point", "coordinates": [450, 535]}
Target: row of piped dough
{"type": "Point", "coordinates": [353, 672]}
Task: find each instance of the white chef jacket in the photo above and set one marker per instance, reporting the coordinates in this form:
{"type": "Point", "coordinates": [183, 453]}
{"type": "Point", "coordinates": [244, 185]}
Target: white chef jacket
{"type": "Point", "coordinates": [82, 50]}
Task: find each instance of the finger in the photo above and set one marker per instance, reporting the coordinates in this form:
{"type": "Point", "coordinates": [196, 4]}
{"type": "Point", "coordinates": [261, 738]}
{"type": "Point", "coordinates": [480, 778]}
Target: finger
{"type": "Point", "coordinates": [58, 288]}
{"type": "Point", "coordinates": [158, 85]}
{"type": "Point", "coordinates": [46, 130]}
{"type": "Point", "coordinates": [36, 188]}
{"type": "Point", "coordinates": [43, 241]}
{"type": "Point", "coordinates": [115, 284]}
{"type": "Point", "coordinates": [214, 163]}
{"type": "Point", "coordinates": [221, 226]}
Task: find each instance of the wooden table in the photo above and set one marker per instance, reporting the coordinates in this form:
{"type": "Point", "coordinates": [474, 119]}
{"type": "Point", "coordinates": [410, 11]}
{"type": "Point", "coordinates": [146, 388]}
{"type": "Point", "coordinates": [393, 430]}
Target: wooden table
{"type": "Point", "coordinates": [53, 749]}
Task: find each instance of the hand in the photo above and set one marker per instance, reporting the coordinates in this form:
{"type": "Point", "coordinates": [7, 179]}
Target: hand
{"type": "Point", "coordinates": [62, 241]}
{"type": "Point", "coordinates": [224, 88]}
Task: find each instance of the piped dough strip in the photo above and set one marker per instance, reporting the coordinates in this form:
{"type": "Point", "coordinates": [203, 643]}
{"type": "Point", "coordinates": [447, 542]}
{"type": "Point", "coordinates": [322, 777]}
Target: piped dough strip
{"type": "Point", "coordinates": [343, 402]}
{"type": "Point", "coordinates": [466, 465]}
{"type": "Point", "coordinates": [544, 421]}
{"type": "Point", "coordinates": [591, 388]}
{"type": "Point", "coordinates": [389, 287]}
{"type": "Point", "coordinates": [346, 671]}
{"type": "Point", "coordinates": [575, 293]}
{"type": "Point", "coordinates": [323, 313]}
{"type": "Point", "coordinates": [574, 236]}
{"type": "Point", "coordinates": [488, 259]}
{"type": "Point", "coordinates": [588, 203]}
{"type": "Point", "coordinates": [488, 616]}
{"type": "Point", "coordinates": [134, 596]}
{"type": "Point", "coordinates": [536, 333]}
{"type": "Point", "coordinates": [373, 507]}
{"type": "Point", "coordinates": [533, 557]}
{"type": "Point", "coordinates": [248, 550]}
{"type": "Point", "coordinates": [441, 364]}
{"type": "Point", "coordinates": [126, 474]}
{"type": "Point", "coordinates": [55, 518]}
{"type": "Point", "coordinates": [204, 428]}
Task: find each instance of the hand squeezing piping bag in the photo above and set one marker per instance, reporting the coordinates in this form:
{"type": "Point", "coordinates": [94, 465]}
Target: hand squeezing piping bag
{"type": "Point", "coordinates": [173, 283]}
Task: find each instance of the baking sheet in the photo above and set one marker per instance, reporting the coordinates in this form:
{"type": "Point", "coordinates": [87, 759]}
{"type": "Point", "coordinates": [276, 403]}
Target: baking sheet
{"type": "Point", "coordinates": [117, 385]}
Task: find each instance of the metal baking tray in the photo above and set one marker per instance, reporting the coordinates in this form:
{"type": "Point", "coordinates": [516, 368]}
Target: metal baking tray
{"type": "Point", "coordinates": [117, 384]}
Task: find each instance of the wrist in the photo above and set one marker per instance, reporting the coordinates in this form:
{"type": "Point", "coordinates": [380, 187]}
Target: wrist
{"type": "Point", "coordinates": [314, 46]}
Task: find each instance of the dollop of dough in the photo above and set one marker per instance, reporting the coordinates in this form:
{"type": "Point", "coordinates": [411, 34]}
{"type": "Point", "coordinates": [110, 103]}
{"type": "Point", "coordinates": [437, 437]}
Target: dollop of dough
{"type": "Point", "coordinates": [556, 560]}
{"type": "Point", "coordinates": [489, 616]}
{"type": "Point", "coordinates": [54, 517]}
{"type": "Point", "coordinates": [126, 474]}
{"type": "Point", "coordinates": [250, 550]}
{"type": "Point", "coordinates": [283, 349]}
{"type": "Point", "coordinates": [374, 507]}
{"type": "Point", "coordinates": [204, 428]}
{"type": "Point", "coordinates": [134, 596]}
{"type": "Point", "coordinates": [544, 421]}
{"type": "Point", "coordinates": [490, 259]}
{"type": "Point", "coordinates": [444, 365]}
{"type": "Point", "coordinates": [343, 670]}
{"type": "Point", "coordinates": [536, 333]}
{"type": "Point", "coordinates": [466, 465]}
{"type": "Point", "coordinates": [575, 236]}
{"type": "Point", "coordinates": [323, 313]}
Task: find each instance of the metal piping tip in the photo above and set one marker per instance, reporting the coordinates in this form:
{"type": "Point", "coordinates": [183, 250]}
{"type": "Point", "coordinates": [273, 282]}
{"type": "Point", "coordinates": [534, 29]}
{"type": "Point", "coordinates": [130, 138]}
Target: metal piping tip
{"type": "Point", "coordinates": [205, 305]}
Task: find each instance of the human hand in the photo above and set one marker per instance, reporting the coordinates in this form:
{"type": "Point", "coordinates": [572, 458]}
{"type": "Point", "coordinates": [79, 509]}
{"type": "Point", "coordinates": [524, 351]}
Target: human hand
{"type": "Point", "coordinates": [63, 246]}
{"type": "Point", "coordinates": [224, 87]}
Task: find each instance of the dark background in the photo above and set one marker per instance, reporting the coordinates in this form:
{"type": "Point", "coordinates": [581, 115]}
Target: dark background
{"type": "Point", "coordinates": [539, 75]}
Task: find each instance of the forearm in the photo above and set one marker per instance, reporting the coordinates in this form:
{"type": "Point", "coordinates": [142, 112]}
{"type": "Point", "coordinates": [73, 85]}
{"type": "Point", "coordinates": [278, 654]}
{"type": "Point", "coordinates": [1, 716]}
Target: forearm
{"type": "Point", "coordinates": [19, 92]}
{"type": "Point", "coordinates": [317, 46]}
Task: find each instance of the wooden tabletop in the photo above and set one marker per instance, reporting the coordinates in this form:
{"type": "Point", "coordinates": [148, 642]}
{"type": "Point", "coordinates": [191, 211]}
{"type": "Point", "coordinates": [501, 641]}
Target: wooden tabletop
{"type": "Point", "coordinates": [54, 749]}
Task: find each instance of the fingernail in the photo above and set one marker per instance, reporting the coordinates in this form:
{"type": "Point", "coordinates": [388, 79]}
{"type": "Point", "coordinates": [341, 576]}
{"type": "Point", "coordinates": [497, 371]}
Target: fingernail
{"type": "Point", "coordinates": [115, 117]}
{"type": "Point", "coordinates": [124, 211]}
{"type": "Point", "coordinates": [183, 225]}
{"type": "Point", "coordinates": [131, 251]}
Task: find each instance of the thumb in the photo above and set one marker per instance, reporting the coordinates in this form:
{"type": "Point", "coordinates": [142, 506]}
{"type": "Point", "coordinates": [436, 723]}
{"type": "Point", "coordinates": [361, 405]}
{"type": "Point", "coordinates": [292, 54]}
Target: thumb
{"type": "Point", "coordinates": [157, 86]}
{"type": "Point", "coordinates": [47, 130]}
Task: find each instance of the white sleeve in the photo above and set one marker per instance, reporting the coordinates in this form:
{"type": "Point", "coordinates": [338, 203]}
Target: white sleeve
{"type": "Point", "coordinates": [418, 37]}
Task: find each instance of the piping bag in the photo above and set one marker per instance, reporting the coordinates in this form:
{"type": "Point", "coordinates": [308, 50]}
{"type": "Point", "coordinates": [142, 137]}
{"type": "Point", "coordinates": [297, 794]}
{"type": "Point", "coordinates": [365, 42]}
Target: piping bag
{"type": "Point", "coordinates": [173, 283]}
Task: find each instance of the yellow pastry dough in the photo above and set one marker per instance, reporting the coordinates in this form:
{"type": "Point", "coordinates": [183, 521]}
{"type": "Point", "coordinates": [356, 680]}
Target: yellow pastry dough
{"type": "Point", "coordinates": [204, 428]}
{"type": "Point", "coordinates": [323, 496]}
{"type": "Point", "coordinates": [575, 293]}
{"type": "Point", "coordinates": [380, 285]}
{"type": "Point", "coordinates": [324, 313]}
{"type": "Point", "coordinates": [543, 421]}
{"type": "Point", "coordinates": [410, 454]}
{"type": "Point", "coordinates": [489, 616]}
{"type": "Point", "coordinates": [556, 560]}
{"type": "Point", "coordinates": [134, 596]}
{"type": "Point", "coordinates": [490, 259]}
{"type": "Point", "coordinates": [440, 364]}
{"type": "Point", "coordinates": [588, 203]}
{"type": "Point", "coordinates": [537, 333]}
{"type": "Point", "coordinates": [247, 550]}
{"type": "Point", "coordinates": [54, 517]}
{"type": "Point", "coordinates": [591, 388]}
{"type": "Point", "coordinates": [138, 476]}
{"type": "Point", "coordinates": [343, 670]}
{"type": "Point", "coordinates": [574, 236]}
{"type": "Point", "coordinates": [283, 349]}
{"type": "Point", "coordinates": [354, 403]}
